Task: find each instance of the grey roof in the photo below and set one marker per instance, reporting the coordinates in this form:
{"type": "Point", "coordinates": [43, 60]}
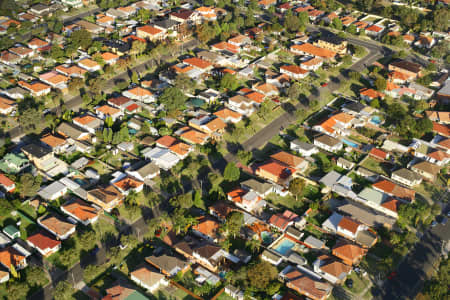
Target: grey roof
{"type": "Point", "coordinates": [331, 38]}
{"type": "Point", "coordinates": [51, 189]}
{"type": "Point", "coordinates": [366, 238]}
{"type": "Point", "coordinates": [445, 90]}
{"type": "Point", "coordinates": [373, 196]}
{"type": "Point", "coordinates": [365, 215]}
{"type": "Point", "coordinates": [147, 169]}
{"type": "Point", "coordinates": [271, 255]}
{"type": "Point", "coordinates": [355, 106]}
{"type": "Point", "coordinates": [407, 174]}
{"type": "Point", "coordinates": [330, 179]}
{"type": "Point", "coordinates": [328, 140]}
{"type": "Point", "coordinates": [36, 150]}
{"type": "Point", "coordinates": [259, 187]}
{"type": "Point", "coordinates": [345, 162]}
{"type": "Point", "coordinates": [70, 130]}
{"type": "Point", "coordinates": [292, 231]}
{"type": "Point", "coordinates": [303, 145]}
{"type": "Point", "coordinates": [314, 242]}
{"type": "Point", "coordinates": [166, 23]}
{"type": "Point", "coordinates": [296, 259]}
{"type": "Point", "coordinates": [166, 262]}
{"type": "Point", "coordinates": [80, 163]}
{"type": "Point", "coordinates": [332, 222]}
{"type": "Point", "coordinates": [365, 172]}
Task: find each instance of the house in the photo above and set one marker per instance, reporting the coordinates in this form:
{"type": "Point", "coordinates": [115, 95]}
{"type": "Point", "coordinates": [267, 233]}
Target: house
{"type": "Point", "coordinates": [128, 184]}
{"type": "Point", "coordinates": [15, 93]}
{"type": "Point", "coordinates": [13, 163]}
{"type": "Point", "coordinates": [303, 148]}
{"type": "Point", "coordinates": [394, 190]}
{"type": "Point", "coordinates": [349, 253]}
{"type": "Point", "coordinates": [57, 225]}
{"type": "Point", "coordinates": [443, 94]}
{"type": "Point", "coordinates": [406, 177]}
{"type": "Point", "coordinates": [71, 71]}
{"type": "Point", "coordinates": [4, 276]}
{"type": "Point", "coordinates": [411, 69]}
{"type": "Point", "coordinates": [294, 72]}
{"type": "Point", "coordinates": [282, 221]}
{"type": "Point", "coordinates": [234, 292]}
{"type": "Point", "coordinates": [275, 172]}
{"type": "Point", "coordinates": [10, 257]}
{"type": "Point", "coordinates": [267, 89]}
{"type": "Point", "coordinates": [198, 63]}
{"type": "Point", "coordinates": [55, 80]}
{"type": "Point", "coordinates": [4, 240]}
{"type": "Point", "coordinates": [89, 123]}
{"type": "Point", "coordinates": [40, 10]}
{"type": "Point", "coordinates": [314, 243]}
{"type": "Point", "coordinates": [378, 154]}
{"type": "Point", "coordinates": [368, 95]}
{"type": "Point", "coordinates": [110, 58]}
{"type": "Point", "coordinates": [36, 43]}
{"type": "Point", "coordinates": [9, 58]}
{"type": "Point", "coordinates": [94, 29]}
{"type": "Point", "coordinates": [37, 154]}
{"type": "Point", "coordinates": [375, 31]}
{"type": "Point", "coordinates": [305, 283]}
{"type": "Point", "coordinates": [89, 65]}
{"type": "Point", "coordinates": [37, 89]}
{"type": "Point", "coordinates": [442, 117]}
{"type": "Point", "coordinates": [246, 199]}
{"type": "Point", "coordinates": [140, 94]}
{"type": "Point", "coordinates": [81, 211]}
{"type": "Point", "coordinates": [185, 16]}
{"type": "Point", "coordinates": [299, 164]}
{"type": "Point", "coordinates": [7, 184]}
{"type": "Point", "coordinates": [221, 210]}
{"type": "Point", "coordinates": [333, 43]}
{"type": "Point", "coordinates": [366, 215]}
{"type": "Point", "coordinates": [150, 32]}
{"type": "Point", "coordinates": [345, 164]}
{"type": "Point", "coordinates": [427, 170]}
{"type": "Point", "coordinates": [105, 111]}
{"type": "Point", "coordinates": [312, 64]}
{"type": "Point", "coordinates": [331, 269]}
{"type": "Point", "coordinates": [207, 228]}
{"type": "Point", "coordinates": [425, 41]}
{"type": "Point", "coordinates": [107, 198]}
{"type": "Point", "coordinates": [69, 130]}
{"type": "Point", "coordinates": [441, 129]}
{"type": "Point", "coordinates": [338, 183]}
{"type": "Point", "coordinates": [148, 279]}
{"type": "Point", "coordinates": [121, 291]}
{"type": "Point", "coordinates": [56, 143]}
{"type": "Point", "coordinates": [328, 143]}
{"type": "Point", "coordinates": [242, 105]}
{"type": "Point", "coordinates": [379, 201]}
{"type": "Point", "coordinates": [143, 170]}
{"type": "Point", "coordinates": [262, 189]}
{"type": "Point", "coordinates": [336, 125]}
{"type": "Point", "coordinates": [44, 243]}
{"type": "Point", "coordinates": [309, 49]}
{"type": "Point", "coordinates": [209, 256]}
{"type": "Point", "coordinates": [22, 52]}
{"type": "Point", "coordinates": [163, 157]}
{"type": "Point", "coordinates": [343, 226]}
{"type": "Point", "coordinates": [192, 136]}
{"type": "Point", "coordinates": [272, 257]}
{"type": "Point", "coordinates": [12, 232]}
{"type": "Point", "coordinates": [168, 265]}
{"type": "Point", "coordinates": [206, 13]}
{"type": "Point", "coordinates": [228, 115]}
{"type": "Point", "coordinates": [53, 191]}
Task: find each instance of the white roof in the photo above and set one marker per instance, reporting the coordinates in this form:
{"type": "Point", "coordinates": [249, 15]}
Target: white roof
{"type": "Point", "coordinates": [52, 189]}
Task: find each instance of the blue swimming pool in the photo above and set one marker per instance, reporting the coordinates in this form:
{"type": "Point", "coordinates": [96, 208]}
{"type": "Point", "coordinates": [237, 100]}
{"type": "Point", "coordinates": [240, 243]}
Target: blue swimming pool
{"type": "Point", "coordinates": [284, 247]}
{"type": "Point", "coordinates": [350, 143]}
{"type": "Point", "coordinates": [375, 120]}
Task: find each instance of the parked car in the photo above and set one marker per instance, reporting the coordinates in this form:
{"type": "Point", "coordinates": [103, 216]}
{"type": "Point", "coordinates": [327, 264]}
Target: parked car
{"type": "Point", "coordinates": [433, 224]}
{"type": "Point", "coordinates": [349, 283]}
{"type": "Point", "coordinates": [324, 84]}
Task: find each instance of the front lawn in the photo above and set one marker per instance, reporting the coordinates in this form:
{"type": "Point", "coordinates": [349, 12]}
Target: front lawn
{"type": "Point", "coordinates": [359, 283]}
{"type": "Point", "coordinates": [374, 166]}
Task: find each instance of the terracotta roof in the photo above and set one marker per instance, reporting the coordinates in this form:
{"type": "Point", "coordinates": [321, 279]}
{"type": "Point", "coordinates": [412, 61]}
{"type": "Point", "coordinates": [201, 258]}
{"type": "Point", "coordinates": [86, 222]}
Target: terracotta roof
{"type": "Point", "coordinates": [236, 195]}
{"type": "Point", "coordinates": [53, 140]}
{"type": "Point", "coordinates": [130, 38]}
{"type": "Point", "coordinates": [81, 210]}
{"type": "Point", "coordinates": [146, 276]}
{"type": "Point", "coordinates": [266, 88]}
{"type": "Point", "coordinates": [204, 9]}
{"type": "Point", "coordinates": [221, 209]}
{"type": "Point", "coordinates": [149, 29]}
{"type": "Point", "coordinates": [399, 75]}
{"type": "Point", "coordinates": [197, 62]}
{"type": "Point", "coordinates": [438, 116]}
{"type": "Point", "coordinates": [348, 251]}
{"type": "Point", "coordinates": [312, 62]}
{"type": "Point", "coordinates": [207, 226]}
{"type": "Point", "coordinates": [391, 188]}
{"type": "Point", "coordinates": [43, 240]}
{"type": "Point", "coordinates": [409, 37]}
{"type": "Point", "coordinates": [180, 148]}
{"type": "Point", "coordinates": [128, 183]}
{"type": "Point", "coordinates": [37, 43]}
{"type": "Point", "coordinates": [391, 204]}
{"type": "Point", "coordinates": [84, 120]}
{"type": "Point", "coordinates": [307, 285]}
{"type": "Point", "coordinates": [314, 50]}
{"type": "Point", "coordinates": [54, 78]}
{"type": "Point", "coordinates": [294, 69]}
{"type": "Point", "coordinates": [361, 24]}
{"type": "Point", "coordinates": [238, 39]}
{"type": "Point", "coordinates": [227, 113]}
{"type": "Point", "coordinates": [6, 103]}
{"type": "Point", "coordinates": [139, 92]}
{"type": "Point", "coordinates": [8, 56]}
{"type": "Point", "coordinates": [10, 256]}
{"type": "Point", "coordinates": [132, 107]}
{"type": "Point", "coordinates": [378, 153]}
{"type": "Point", "coordinates": [21, 50]}
{"type": "Point", "coordinates": [343, 117]}
{"type": "Point", "coordinates": [347, 20]}
{"type": "Point", "coordinates": [374, 28]}
{"type": "Point", "coordinates": [167, 141]}
{"type": "Point", "coordinates": [334, 267]}
{"type": "Point", "coordinates": [348, 224]}
{"type": "Point", "coordinates": [105, 19]}
{"type": "Point", "coordinates": [106, 195]}
{"type": "Point", "coordinates": [57, 224]}
{"type": "Point", "coordinates": [391, 86]}
{"type": "Point", "coordinates": [107, 56]}
{"type": "Point", "coordinates": [445, 143]}
{"type": "Point", "coordinates": [35, 87]}
{"type": "Point", "coordinates": [441, 129]}
{"type": "Point", "coordinates": [287, 158]}
{"type": "Point", "coordinates": [255, 97]}
{"type": "Point", "coordinates": [371, 93]}
{"type": "Point", "coordinates": [194, 136]}
{"type": "Point", "coordinates": [439, 155]}
{"type": "Point", "coordinates": [107, 110]}
{"type": "Point", "coordinates": [71, 70]}
{"type": "Point", "coordinates": [5, 181]}
{"type": "Point", "coordinates": [216, 125]}
{"type": "Point", "coordinates": [119, 101]}
{"type": "Point", "coordinates": [393, 33]}
{"type": "Point", "coordinates": [89, 63]}
{"type": "Point", "coordinates": [277, 169]}
{"type": "Point", "coordinates": [282, 220]}
{"type": "Point", "coordinates": [182, 14]}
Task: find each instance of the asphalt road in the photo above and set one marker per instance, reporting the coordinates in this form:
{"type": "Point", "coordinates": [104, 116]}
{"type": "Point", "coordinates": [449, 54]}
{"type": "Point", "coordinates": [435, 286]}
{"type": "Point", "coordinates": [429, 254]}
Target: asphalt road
{"type": "Point", "coordinates": [72, 19]}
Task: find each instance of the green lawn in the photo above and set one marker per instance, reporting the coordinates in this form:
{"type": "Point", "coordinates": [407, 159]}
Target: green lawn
{"type": "Point", "coordinates": [130, 214]}
{"type": "Point", "coordinates": [100, 168]}
{"type": "Point", "coordinates": [359, 283]}
{"type": "Point", "coordinates": [373, 165]}
{"type": "Point", "coordinates": [288, 202]}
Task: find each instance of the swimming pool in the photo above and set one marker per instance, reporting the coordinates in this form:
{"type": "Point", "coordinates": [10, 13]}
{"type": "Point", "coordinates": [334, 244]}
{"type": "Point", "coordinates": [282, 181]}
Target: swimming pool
{"type": "Point", "coordinates": [350, 143]}
{"type": "Point", "coordinates": [284, 247]}
{"type": "Point", "coordinates": [375, 120]}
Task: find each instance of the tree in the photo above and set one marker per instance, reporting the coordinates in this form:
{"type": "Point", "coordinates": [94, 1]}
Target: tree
{"type": "Point", "coordinates": [143, 15]}
{"type": "Point", "coordinates": [56, 52]}
{"type": "Point", "coordinates": [292, 23]}
{"type": "Point", "coordinates": [205, 32]}
{"type": "Point", "coordinates": [233, 224]}
{"type": "Point", "coordinates": [440, 19]}
{"type": "Point", "coordinates": [261, 274]}
{"type": "Point", "coordinates": [294, 91]}
{"type": "Point", "coordinates": [28, 118]}
{"type": "Point", "coordinates": [183, 201]}
{"type": "Point", "coordinates": [352, 29]}
{"type": "Point", "coordinates": [231, 172]}
{"type": "Point", "coordinates": [109, 122]}
{"type": "Point", "coordinates": [229, 82]}
{"type": "Point", "coordinates": [296, 186]}
{"type": "Point", "coordinates": [173, 99]}
{"type": "Point", "coordinates": [63, 291]}
{"type": "Point", "coordinates": [303, 18]}
{"type": "Point", "coordinates": [336, 23]}
{"type": "Point", "coordinates": [244, 157]}
{"type": "Point", "coordinates": [138, 47]}
{"type": "Point", "coordinates": [198, 200]}
{"type": "Point", "coordinates": [17, 290]}
{"type": "Point", "coordinates": [75, 84]}
{"type": "Point", "coordinates": [380, 83]}
{"type": "Point", "coordinates": [35, 276]}
{"type": "Point", "coordinates": [184, 82]}
{"type": "Point", "coordinates": [134, 77]}
{"type": "Point", "coordinates": [375, 103]}
{"type": "Point", "coordinates": [87, 239]}
{"type": "Point", "coordinates": [29, 185]}
{"type": "Point", "coordinates": [81, 38]}
{"type": "Point", "coordinates": [264, 110]}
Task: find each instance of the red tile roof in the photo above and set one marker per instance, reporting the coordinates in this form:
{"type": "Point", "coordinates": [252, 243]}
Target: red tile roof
{"type": "Point", "coordinates": [378, 153]}
{"type": "Point", "coordinates": [197, 62]}
{"type": "Point", "coordinates": [391, 188]}
{"type": "Point", "coordinates": [277, 169]}
{"type": "Point", "coordinates": [43, 240]}
{"type": "Point", "coordinates": [166, 141]}
{"type": "Point", "coordinates": [348, 224]}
